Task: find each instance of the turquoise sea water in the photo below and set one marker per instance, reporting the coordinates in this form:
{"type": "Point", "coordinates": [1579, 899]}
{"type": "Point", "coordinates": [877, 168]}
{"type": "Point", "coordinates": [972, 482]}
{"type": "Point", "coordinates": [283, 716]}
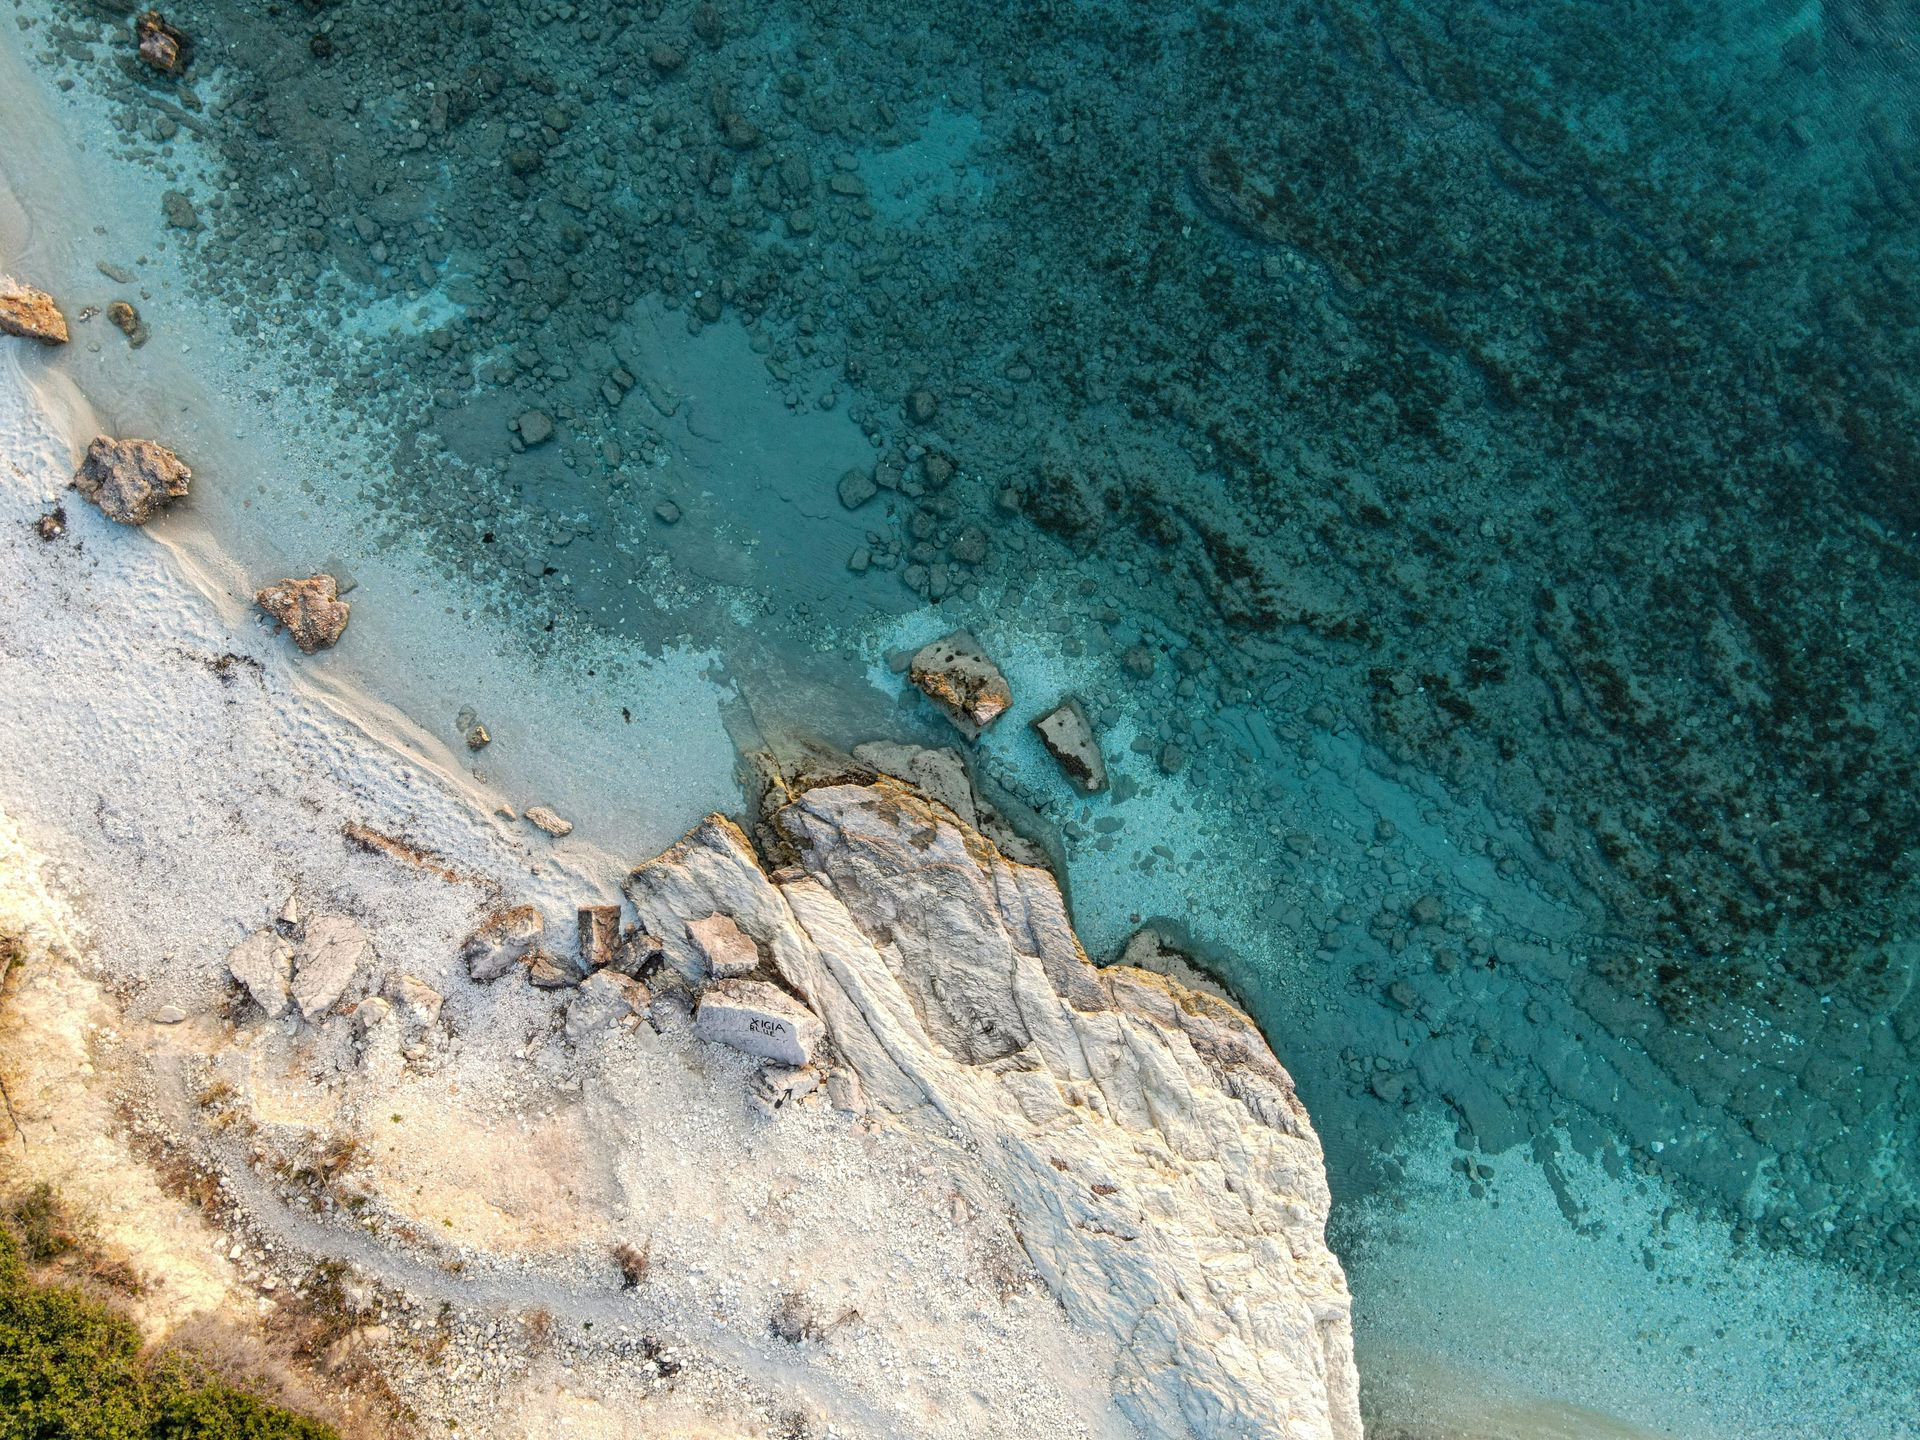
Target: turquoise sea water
{"type": "Point", "coordinates": [1462, 454]}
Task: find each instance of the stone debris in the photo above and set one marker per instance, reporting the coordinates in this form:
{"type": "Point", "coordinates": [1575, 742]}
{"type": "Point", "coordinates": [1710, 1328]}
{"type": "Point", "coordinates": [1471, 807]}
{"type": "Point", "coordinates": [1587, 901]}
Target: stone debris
{"type": "Point", "coordinates": [550, 971]}
{"type": "Point", "coordinates": [535, 427]}
{"type": "Point", "coordinates": [371, 1013]}
{"type": "Point", "coordinates": [169, 1015]}
{"type": "Point", "coordinates": [760, 1019]}
{"type": "Point", "coordinates": [955, 673]}
{"type": "Point", "coordinates": [263, 963]}
{"type": "Point", "coordinates": [163, 47]}
{"type": "Point", "coordinates": [729, 952]}
{"type": "Point", "coordinates": [500, 942]}
{"type": "Point", "coordinates": [124, 318]}
{"type": "Point", "coordinates": [777, 1086]}
{"type": "Point", "coordinates": [598, 928]}
{"type": "Point", "coordinates": [1069, 738]}
{"type": "Point", "coordinates": [311, 610]}
{"type": "Point", "coordinates": [606, 1000]}
{"type": "Point", "coordinates": [30, 314]}
{"type": "Point", "coordinates": [330, 955]}
{"type": "Point", "coordinates": [418, 1002]}
{"type": "Point", "coordinates": [478, 737]}
{"type": "Point", "coordinates": [856, 488]}
{"type": "Point", "coordinates": [131, 480]}
{"type": "Point", "coordinates": [550, 820]}
{"type": "Point", "coordinates": [639, 954]}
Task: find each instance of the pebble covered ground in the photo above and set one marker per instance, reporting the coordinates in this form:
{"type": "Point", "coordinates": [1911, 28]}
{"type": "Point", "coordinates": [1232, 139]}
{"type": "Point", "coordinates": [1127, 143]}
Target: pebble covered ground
{"type": "Point", "coordinates": [1470, 452]}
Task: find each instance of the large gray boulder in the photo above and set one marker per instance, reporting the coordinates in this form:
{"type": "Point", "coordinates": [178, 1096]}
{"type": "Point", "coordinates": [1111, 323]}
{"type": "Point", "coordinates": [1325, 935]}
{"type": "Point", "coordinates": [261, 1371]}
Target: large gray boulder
{"type": "Point", "coordinates": [760, 1019]}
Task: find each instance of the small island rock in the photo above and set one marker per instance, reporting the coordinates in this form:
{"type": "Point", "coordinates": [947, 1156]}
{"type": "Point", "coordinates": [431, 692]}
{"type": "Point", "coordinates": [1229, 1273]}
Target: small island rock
{"type": "Point", "coordinates": [955, 673]}
{"type": "Point", "coordinates": [1069, 738]}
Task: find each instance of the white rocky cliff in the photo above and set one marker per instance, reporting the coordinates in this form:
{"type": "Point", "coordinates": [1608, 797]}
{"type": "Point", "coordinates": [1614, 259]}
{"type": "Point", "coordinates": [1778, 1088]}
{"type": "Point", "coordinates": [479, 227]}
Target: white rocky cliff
{"type": "Point", "coordinates": [1163, 1175]}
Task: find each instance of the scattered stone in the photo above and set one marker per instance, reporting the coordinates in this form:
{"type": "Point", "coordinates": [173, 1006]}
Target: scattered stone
{"type": "Point", "coordinates": [550, 971]}
{"type": "Point", "coordinates": [131, 480]}
{"type": "Point", "coordinates": [179, 211]}
{"type": "Point", "coordinates": [777, 1085]}
{"type": "Point", "coordinates": [503, 937]}
{"type": "Point", "coordinates": [922, 406]}
{"type": "Point", "coordinates": [169, 1015]}
{"type": "Point", "coordinates": [605, 1000]}
{"type": "Point", "coordinates": [288, 920]}
{"type": "Point", "coordinates": [418, 1002]}
{"type": "Point", "coordinates": [330, 955]}
{"type": "Point", "coordinates": [667, 513]}
{"type": "Point", "coordinates": [955, 673]}
{"type": "Point", "coordinates": [535, 427]}
{"type": "Point", "coordinates": [728, 950]}
{"type": "Point", "coordinates": [263, 963]}
{"type": "Point", "coordinates": [371, 1013]}
{"type": "Point", "coordinates": [639, 954]}
{"type": "Point", "coordinates": [549, 820]}
{"type": "Point", "coordinates": [856, 488]}
{"type": "Point", "coordinates": [598, 927]}
{"type": "Point", "coordinates": [1069, 738]}
{"type": "Point", "coordinates": [1138, 661]}
{"type": "Point", "coordinates": [760, 1019]}
{"type": "Point", "coordinates": [664, 58]}
{"type": "Point", "coordinates": [127, 321]}
{"type": "Point", "coordinates": [52, 525]}
{"type": "Point", "coordinates": [1173, 759]}
{"type": "Point", "coordinates": [163, 47]}
{"type": "Point", "coordinates": [311, 610]}
{"type": "Point", "coordinates": [119, 274]}
{"type": "Point", "coordinates": [478, 737]}
{"type": "Point", "coordinates": [30, 314]}
{"type": "Point", "coordinates": [860, 561]}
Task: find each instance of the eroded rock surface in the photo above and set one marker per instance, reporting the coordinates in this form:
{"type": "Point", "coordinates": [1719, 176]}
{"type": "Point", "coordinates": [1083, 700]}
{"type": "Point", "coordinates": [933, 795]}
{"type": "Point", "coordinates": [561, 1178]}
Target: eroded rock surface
{"type": "Point", "coordinates": [131, 480]}
{"type": "Point", "coordinates": [1069, 738]}
{"type": "Point", "coordinates": [500, 942]}
{"type": "Point", "coordinates": [330, 956]}
{"type": "Point", "coordinates": [1167, 1182]}
{"type": "Point", "coordinates": [957, 675]}
{"type": "Point", "coordinates": [30, 314]}
{"type": "Point", "coordinates": [310, 609]}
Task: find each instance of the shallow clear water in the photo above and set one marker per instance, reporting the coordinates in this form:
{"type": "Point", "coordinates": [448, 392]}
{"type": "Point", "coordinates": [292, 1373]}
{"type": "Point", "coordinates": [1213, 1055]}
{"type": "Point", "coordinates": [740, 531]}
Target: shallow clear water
{"type": "Point", "coordinates": [1462, 454]}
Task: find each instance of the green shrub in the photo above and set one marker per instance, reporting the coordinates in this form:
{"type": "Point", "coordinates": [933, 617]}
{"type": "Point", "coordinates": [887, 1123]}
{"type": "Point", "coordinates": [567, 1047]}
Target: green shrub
{"type": "Point", "coordinates": [73, 1369]}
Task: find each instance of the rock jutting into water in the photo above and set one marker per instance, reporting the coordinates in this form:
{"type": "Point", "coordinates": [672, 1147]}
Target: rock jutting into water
{"type": "Point", "coordinates": [955, 673]}
{"type": "Point", "coordinates": [30, 314]}
{"type": "Point", "coordinates": [310, 610]}
{"type": "Point", "coordinates": [1146, 1136]}
{"type": "Point", "coordinates": [131, 480]}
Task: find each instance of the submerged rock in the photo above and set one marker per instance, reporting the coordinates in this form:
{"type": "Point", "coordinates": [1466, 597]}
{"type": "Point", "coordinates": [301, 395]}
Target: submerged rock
{"type": "Point", "coordinates": [760, 1019]}
{"type": "Point", "coordinates": [131, 480]}
{"type": "Point", "coordinates": [311, 610]}
{"type": "Point", "coordinates": [546, 818]}
{"type": "Point", "coordinates": [503, 937]}
{"type": "Point", "coordinates": [955, 673]}
{"type": "Point", "coordinates": [1069, 738]}
{"type": "Point", "coordinates": [127, 321]}
{"type": "Point", "coordinates": [30, 314]}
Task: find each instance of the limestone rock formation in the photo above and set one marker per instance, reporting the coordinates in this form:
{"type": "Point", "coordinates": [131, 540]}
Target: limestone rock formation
{"type": "Point", "coordinates": [728, 951]}
{"type": "Point", "coordinates": [131, 480]}
{"type": "Point", "coordinates": [956, 674]}
{"type": "Point", "coordinates": [1163, 1173]}
{"type": "Point", "coordinates": [1069, 738]}
{"type": "Point", "coordinates": [310, 609]}
{"type": "Point", "coordinates": [760, 1019]}
{"type": "Point", "coordinates": [30, 314]}
{"type": "Point", "coordinates": [331, 954]}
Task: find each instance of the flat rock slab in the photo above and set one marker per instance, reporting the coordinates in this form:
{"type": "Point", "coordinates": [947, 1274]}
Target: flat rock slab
{"type": "Point", "coordinates": [728, 950]}
{"type": "Point", "coordinates": [500, 942]}
{"type": "Point", "coordinates": [30, 314]}
{"type": "Point", "coordinates": [263, 962]}
{"type": "Point", "coordinates": [760, 1019]}
{"type": "Point", "coordinates": [131, 480]}
{"type": "Point", "coordinates": [329, 957]}
{"type": "Point", "coordinates": [311, 610]}
{"type": "Point", "coordinates": [955, 673]}
{"type": "Point", "coordinates": [1069, 738]}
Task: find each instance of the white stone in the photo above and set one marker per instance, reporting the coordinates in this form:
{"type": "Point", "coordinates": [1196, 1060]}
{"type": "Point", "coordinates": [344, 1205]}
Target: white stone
{"type": "Point", "coordinates": [728, 950]}
{"type": "Point", "coordinates": [330, 955]}
{"type": "Point", "coordinates": [758, 1018]}
{"type": "Point", "coordinates": [263, 962]}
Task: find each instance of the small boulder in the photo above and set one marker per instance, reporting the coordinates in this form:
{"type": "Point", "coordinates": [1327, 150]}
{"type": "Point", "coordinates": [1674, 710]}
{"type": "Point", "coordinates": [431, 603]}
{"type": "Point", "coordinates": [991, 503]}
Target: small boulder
{"type": "Point", "coordinates": [550, 971]}
{"type": "Point", "coordinates": [502, 939]}
{"type": "Point", "coordinates": [535, 427]}
{"type": "Point", "coordinates": [955, 673]}
{"type": "Point", "coordinates": [758, 1018]}
{"type": "Point", "coordinates": [605, 1000]}
{"type": "Point", "coordinates": [127, 321]}
{"type": "Point", "coordinates": [131, 480]}
{"type": "Point", "coordinates": [598, 927]}
{"type": "Point", "coordinates": [311, 610]}
{"type": "Point", "coordinates": [856, 488]}
{"type": "Point", "coordinates": [30, 314]}
{"type": "Point", "coordinates": [263, 962]}
{"type": "Point", "coordinates": [777, 1085]}
{"type": "Point", "coordinates": [1069, 738]}
{"type": "Point", "coordinates": [330, 956]}
{"type": "Point", "coordinates": [163, 47]}
{"type": "Point", "coordinates": [545, 818]}
{"type": "Point", "coordinates": [639, 954]}
{"type": "Point", "coordinates": [418, 1002]}
{"type": "Point", "coordinates": [728, 950]}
